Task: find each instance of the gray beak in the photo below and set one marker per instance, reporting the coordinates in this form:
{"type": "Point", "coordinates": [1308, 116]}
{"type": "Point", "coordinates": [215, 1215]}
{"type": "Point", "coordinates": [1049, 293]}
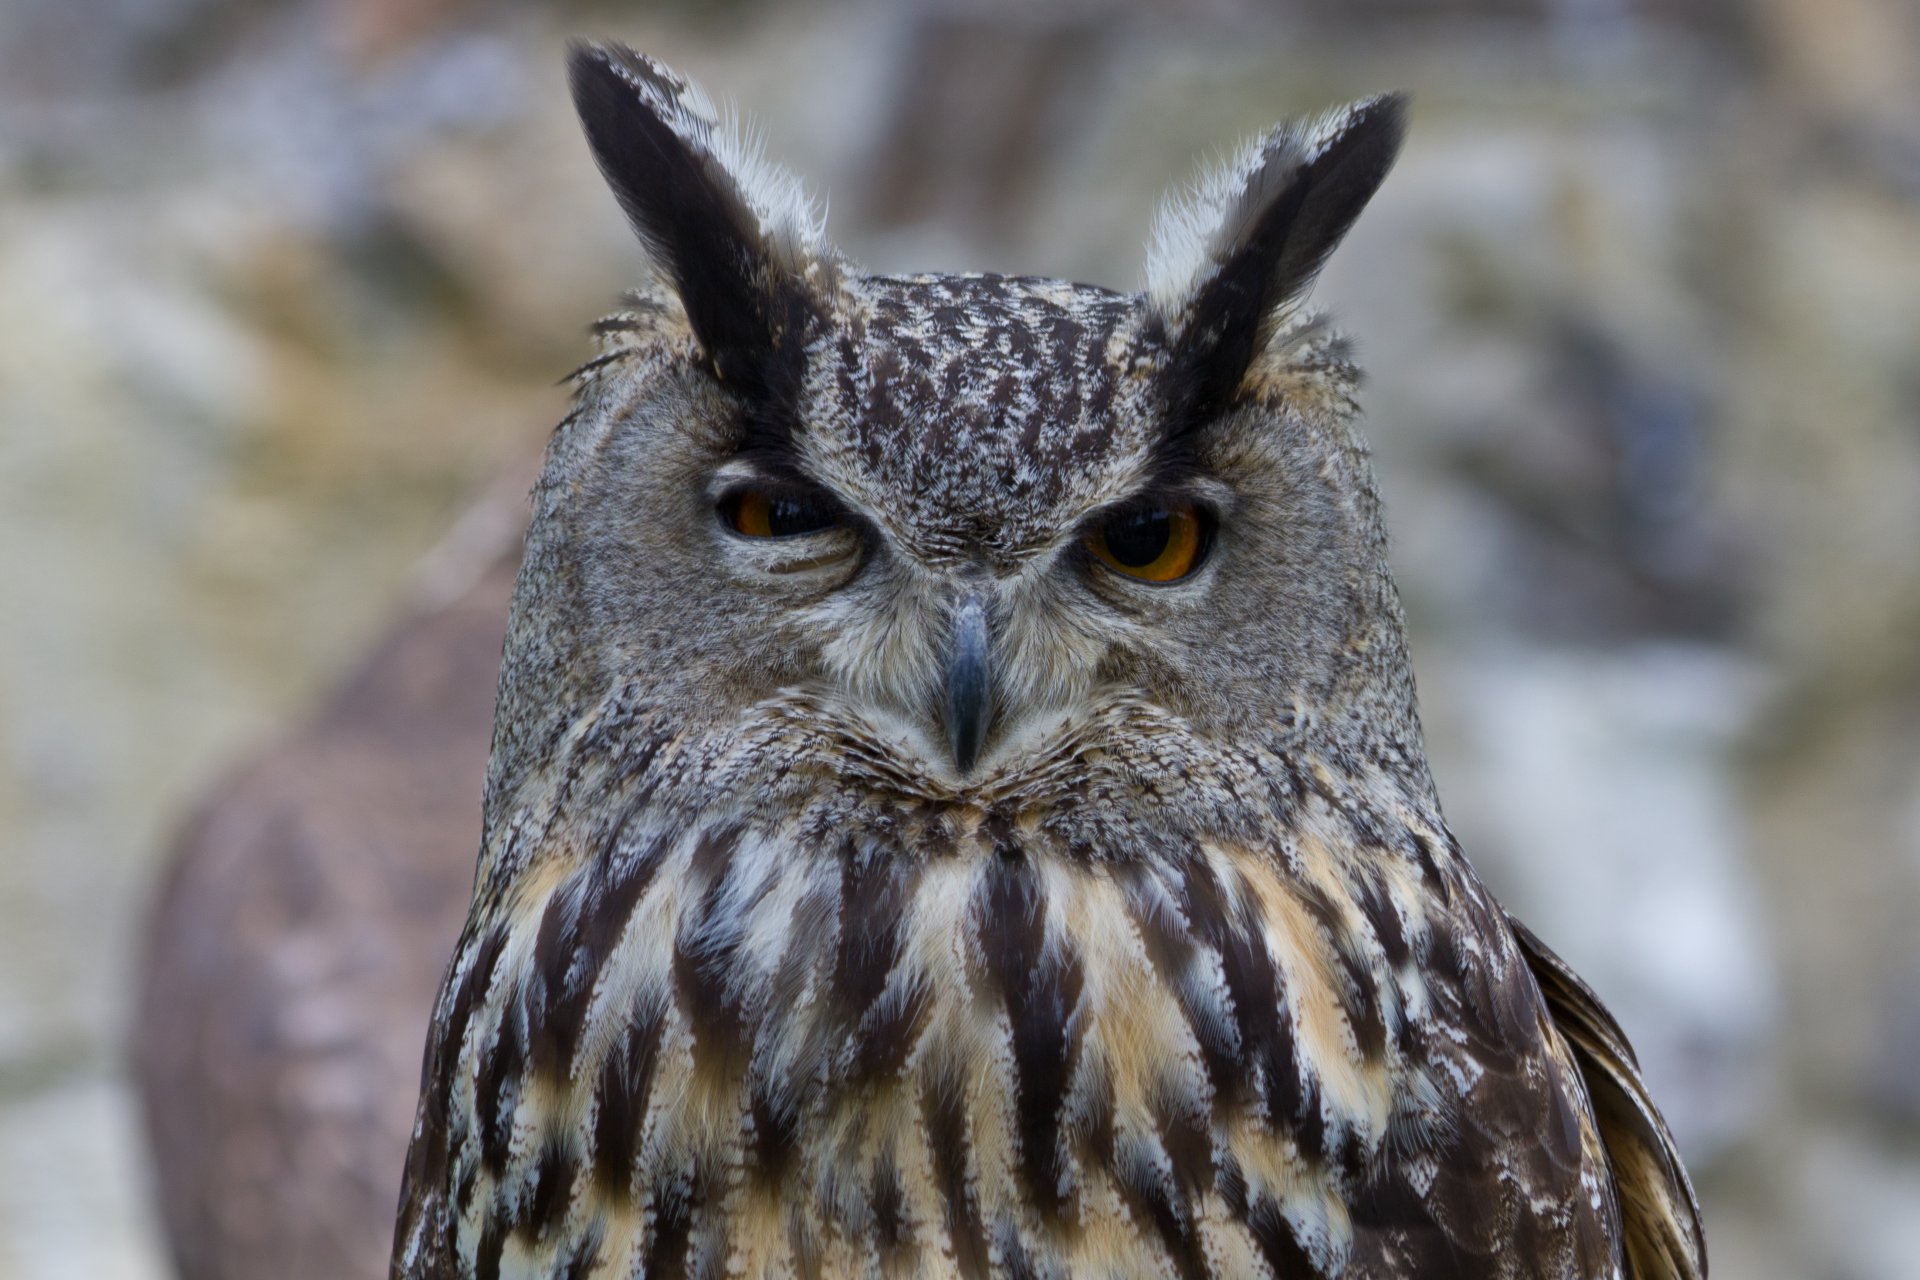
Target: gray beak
{"type": "Point", "coordinates": [969, 683]}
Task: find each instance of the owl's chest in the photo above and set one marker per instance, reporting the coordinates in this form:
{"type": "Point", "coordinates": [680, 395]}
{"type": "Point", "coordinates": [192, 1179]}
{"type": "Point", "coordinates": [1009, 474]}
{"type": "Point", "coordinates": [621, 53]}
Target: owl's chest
{"type": "Point", "coordinates": [908, 1062]}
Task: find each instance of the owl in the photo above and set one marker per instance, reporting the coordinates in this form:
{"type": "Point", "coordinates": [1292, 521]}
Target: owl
{"type": "Point", "coordinates": [957, 806]}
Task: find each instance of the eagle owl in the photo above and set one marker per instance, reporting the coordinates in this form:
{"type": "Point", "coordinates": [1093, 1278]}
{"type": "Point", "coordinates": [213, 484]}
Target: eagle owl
{"type": "Point", "coordinates": [957, 806]}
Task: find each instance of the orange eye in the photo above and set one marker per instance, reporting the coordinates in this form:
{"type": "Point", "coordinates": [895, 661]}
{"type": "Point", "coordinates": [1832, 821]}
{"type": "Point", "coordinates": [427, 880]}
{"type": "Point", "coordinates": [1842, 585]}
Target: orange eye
{"type": "Point", "coordinates": [758, 514]}
{"type": "Point", "coordinates": [1154, 544]}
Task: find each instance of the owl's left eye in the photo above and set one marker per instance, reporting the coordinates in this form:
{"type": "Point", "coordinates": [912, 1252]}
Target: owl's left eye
{"type": "Point", "coordinates": [761, 514]}
{"type": "Point", "coordinates": [1150, 542]}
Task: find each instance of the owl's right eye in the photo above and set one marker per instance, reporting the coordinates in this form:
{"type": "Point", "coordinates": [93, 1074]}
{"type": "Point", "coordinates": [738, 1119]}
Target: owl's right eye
{"type": "Point", "coordinates": [758, 513]}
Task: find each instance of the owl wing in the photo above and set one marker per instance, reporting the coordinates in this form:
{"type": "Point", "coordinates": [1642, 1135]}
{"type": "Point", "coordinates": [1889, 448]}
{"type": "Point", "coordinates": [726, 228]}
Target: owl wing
{"type": "Point", "coordinates": [1661, 1216]}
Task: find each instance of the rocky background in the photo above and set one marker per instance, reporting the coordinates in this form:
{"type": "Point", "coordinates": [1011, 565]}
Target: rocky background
{"type": "Point", "coordinates": [285, 284]}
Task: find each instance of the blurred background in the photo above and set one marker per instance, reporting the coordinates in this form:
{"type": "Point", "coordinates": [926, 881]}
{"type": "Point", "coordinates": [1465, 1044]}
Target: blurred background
{"type": "Point", "coordinates": [285, 287]}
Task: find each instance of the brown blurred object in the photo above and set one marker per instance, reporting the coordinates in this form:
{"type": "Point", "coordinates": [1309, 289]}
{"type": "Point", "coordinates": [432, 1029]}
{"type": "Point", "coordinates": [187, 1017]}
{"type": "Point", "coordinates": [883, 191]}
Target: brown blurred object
{"type": "Point", "coordinates": [981, 101]}
{"type": "Point", "coordinates": [295, 951]}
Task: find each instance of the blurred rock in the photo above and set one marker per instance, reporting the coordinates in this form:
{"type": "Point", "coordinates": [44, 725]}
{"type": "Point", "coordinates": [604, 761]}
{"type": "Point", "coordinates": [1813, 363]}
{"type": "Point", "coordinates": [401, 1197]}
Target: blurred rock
{"type": "Point", "coordinates": [1859, 1194]}
{"type": "Point", "coordinates": [1600, 802]}
{"type": "Point", "coordinates": [982, 97]}
{"type": "Point", "coordinates": [79, 1209]}
{"type": "Point", "coordinates": [1896, 1079]}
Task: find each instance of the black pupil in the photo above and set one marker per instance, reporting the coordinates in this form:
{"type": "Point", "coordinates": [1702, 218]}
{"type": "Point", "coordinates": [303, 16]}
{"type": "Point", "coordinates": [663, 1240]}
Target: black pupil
{"type": "Point", "coordinates": [1137, 538]}
{"type": "Point", "coordinates": [788, 515]}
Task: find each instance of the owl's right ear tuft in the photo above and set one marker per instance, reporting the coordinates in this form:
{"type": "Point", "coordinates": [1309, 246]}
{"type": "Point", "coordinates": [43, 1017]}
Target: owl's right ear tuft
{"type": "Point", "coordinates": [734, 236]}
{"type": "Point", "coordinates": [1234, 253]}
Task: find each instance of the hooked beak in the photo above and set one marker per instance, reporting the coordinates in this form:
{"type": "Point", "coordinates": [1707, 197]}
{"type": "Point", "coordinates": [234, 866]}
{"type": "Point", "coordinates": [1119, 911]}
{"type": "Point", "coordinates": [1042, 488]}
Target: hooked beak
{"type": "Point", "coordinates": [969, 683]}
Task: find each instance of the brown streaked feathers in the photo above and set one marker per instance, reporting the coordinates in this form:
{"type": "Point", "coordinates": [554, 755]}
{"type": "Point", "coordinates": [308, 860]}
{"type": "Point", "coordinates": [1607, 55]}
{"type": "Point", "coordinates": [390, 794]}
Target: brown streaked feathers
{"type": "Point", "coordinates": [1180, 975]}
{"type": "Point", "coordinates": [1660, 1214]}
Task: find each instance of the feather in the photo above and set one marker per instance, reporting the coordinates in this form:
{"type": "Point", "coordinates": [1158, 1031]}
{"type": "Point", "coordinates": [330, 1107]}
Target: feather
{"type": "Point", "coordinates": [1661, 1215]}
{"type": "Point", "coordinates": [1232, 256]}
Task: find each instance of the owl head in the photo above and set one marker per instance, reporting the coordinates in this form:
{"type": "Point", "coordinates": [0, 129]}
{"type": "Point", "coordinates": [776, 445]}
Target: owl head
{"type": "Point", "coordinates": [951, 522]}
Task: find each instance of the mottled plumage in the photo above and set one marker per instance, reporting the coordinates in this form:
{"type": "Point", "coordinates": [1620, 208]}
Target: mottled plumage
{"type": "Point", "coordinates": [1168, 966]}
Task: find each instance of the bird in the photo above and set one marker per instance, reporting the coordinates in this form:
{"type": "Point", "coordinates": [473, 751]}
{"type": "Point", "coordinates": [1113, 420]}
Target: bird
{"type": "Point", "coordinates": [958, 806]}
{"type": "Point", "coordinates": [294, 954]}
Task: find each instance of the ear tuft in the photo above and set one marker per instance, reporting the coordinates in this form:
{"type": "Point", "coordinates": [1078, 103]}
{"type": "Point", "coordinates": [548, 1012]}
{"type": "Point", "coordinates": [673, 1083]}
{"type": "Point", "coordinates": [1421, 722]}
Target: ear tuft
{"type": "Point", "coordinates": [734, 235]}
{"type": "Point", "coordinates": [1232, 252]}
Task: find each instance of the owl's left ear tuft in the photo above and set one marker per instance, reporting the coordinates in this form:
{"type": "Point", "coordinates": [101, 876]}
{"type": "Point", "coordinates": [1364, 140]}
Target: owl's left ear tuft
{"type": "Point", "coordinates": [1231, 254]}
{"type": "Point", "coordinates": [734, 236]}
